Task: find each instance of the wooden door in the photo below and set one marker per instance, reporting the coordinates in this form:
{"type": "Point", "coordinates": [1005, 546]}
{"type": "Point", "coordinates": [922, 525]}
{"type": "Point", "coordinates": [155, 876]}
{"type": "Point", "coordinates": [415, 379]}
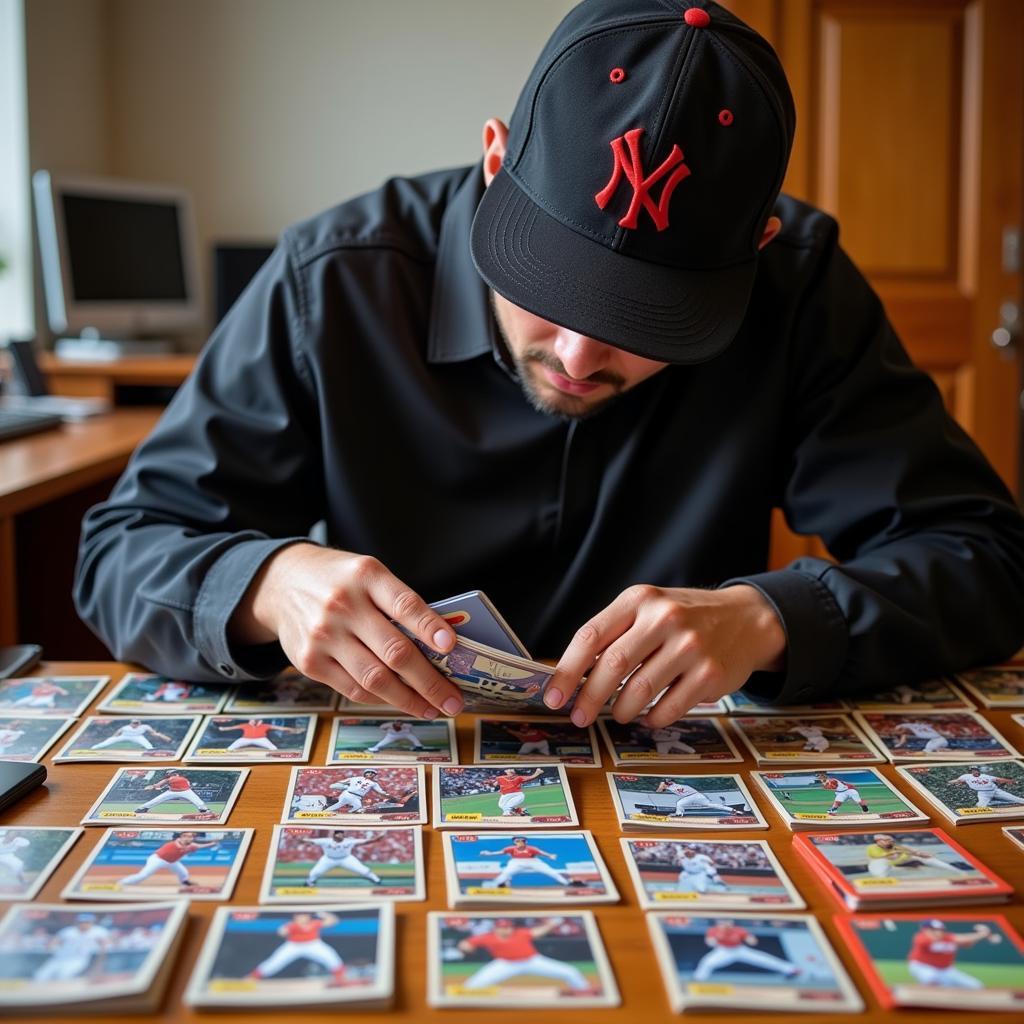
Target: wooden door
{"type": "Point", "coordinates": [910, 120]}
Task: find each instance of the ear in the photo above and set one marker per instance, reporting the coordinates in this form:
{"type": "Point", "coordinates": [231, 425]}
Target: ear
{"type": "Point", "coordinates": [771, 229]}
{"type": "Point", "coordinates": [495, 139]}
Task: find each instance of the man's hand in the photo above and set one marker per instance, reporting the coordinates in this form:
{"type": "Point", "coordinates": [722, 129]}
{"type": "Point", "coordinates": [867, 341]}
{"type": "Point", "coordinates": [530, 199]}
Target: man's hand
{"type": "Point", "coordinates": [701, 644]}
{"type": "Point", "coordinates": [332, 611]}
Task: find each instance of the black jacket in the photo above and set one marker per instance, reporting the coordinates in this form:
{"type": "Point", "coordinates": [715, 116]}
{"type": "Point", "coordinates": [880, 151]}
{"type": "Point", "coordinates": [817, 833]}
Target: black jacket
{"type": "Point", "coordinates": [357, 381]}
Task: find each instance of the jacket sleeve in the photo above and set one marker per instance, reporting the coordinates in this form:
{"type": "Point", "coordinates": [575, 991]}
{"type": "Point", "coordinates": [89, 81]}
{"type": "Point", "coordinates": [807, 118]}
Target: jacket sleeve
{"type": "Point", "coordinates": [230, 474]}
{"type": "Point", "coordinates": [929, 545]}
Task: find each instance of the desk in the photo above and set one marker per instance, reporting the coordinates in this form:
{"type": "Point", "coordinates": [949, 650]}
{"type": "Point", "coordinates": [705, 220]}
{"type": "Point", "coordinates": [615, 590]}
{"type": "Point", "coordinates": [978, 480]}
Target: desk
{"type": "Point", "coordinates": [72, 789]}
{"type": "Point", "coordinates": [79, 378]}
{"type": "Point", "coordinates": [47, 481]}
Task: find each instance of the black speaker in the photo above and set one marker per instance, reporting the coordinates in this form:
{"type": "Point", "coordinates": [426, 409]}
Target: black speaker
{"type": "Point", "coordinates": [234, 266]}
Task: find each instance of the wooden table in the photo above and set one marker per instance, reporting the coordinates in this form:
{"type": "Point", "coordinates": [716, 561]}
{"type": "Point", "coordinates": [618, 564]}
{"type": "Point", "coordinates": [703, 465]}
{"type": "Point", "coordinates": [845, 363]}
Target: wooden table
{"type": "Point", "coordinates": [105, 378]}
{"type": "Point", "coordinates": [71, 790]}
{"type": "Point", "coordinates": [47, 481]}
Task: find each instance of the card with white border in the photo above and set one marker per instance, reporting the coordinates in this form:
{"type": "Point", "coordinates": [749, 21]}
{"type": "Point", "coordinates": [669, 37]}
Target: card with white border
{"type": "Point", "coordinates": [934, 736]}
{"type": "Point", "coordinates": [492, 869]}
{"type": "Point", "coordinates": [288, 692]}
{"type": "Point", "coordinates": [808, 739]}
{"type": "Point", "coordinates": [109, 957]}
{"type": "Point", "coordinates": [357, 795]}
{"type": "Point", "coordinates": [392, 739]}
{"type": "Point", "coordinates": [522, 796]}
{"type": "Point", "coordinates": [845, 797]}
{"type": "Point", "coordinates": [161, 863]}
{"type": "Point", "coordinates": [740, 703]}
{"type": "Point", "coordinates": [307, 864]}
{"type": "Point", "coordinates": [745, 961]}
{"type": "Point", "coordinates": [28, 738]}
{"type": "Point", "coordinates": [296, 956]}
{"type": "Point", "coordinates": [964, 793]}
{"type": "Point", "coordinates": [55, 696]}
{"type": "Point", "coordinates": [683, 802]}
{"type": "Point", "coordinates": [708, 874]}
{"type": "Point", "coordinates": [107, 738]}
{"type": "Point", "coordinates": [1001, 686]}
{"type": "Point", "coordinates": [511, 739]}
{"type": "Point", "coordinates": [140, 694]}
{"type": "Point", "coordinates": [930, 695]}
{"type": "Point", "coordinates": [270, 739]}
{"type": "Point", "coordinates": [28, 856]}
{"type": "Point", "coordinates": [168, 796]}
{"type": "Point", "coordinates": [528, 960]}
{"type": "Point", "coordinates": [1015, 833]}
{"type": "Point", "coordinates": [688, 740]}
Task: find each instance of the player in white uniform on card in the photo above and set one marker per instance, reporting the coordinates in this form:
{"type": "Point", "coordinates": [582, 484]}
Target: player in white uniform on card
{"type": "Point", "coordinates": [336, 852]}
{"type": "Point", "coordinates": [168, 857]}
{"type": "Point", "coordinates": [355, 790]}
{"type": "Point", "coordinates": [10, 861]}
{"type": "Point", "coordinates": [698, 873]}
{"type": "Point", "coordinates": [396, 732]}
{"type": "Point", "coordinates": [72, 949]}
{"type": "Point", "coordinates": [986, 787]}
{"type": "Point", "coordinates": [168, 692]}
{"type": "Point", "coordinates": [174, 786]}
{"type": "Point", "coordinates": [134, 732]}
{"type": "Point", "coordinates": [302, 942]}
{"type": "Point", "coordinates": [841, 792]}
{"type": "Point", "coordinates": [690, 798]}
{"type": "Point", "coordinates": [669, 740]}
{"type": "Point", "coordinates": [9, 736]}
{"type": "Point", "coordinates": [935, 741]}
{"type": "Point", "coordinates": [731, 944]}
{"type": "Point", "coordinates": [817, 741]}
{"type": "Point", "coordinates": [524, 859]}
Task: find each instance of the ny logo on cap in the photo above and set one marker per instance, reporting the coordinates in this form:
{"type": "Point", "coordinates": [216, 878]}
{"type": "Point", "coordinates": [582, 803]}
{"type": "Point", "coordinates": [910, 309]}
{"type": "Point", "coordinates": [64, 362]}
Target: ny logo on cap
{"type": "Point", "coordinates": [632, 167]}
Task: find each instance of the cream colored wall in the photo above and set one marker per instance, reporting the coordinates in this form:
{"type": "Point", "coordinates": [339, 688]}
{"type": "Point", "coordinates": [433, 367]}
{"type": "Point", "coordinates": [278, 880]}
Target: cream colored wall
{"type": "Point", "coordinates": [270, 110]}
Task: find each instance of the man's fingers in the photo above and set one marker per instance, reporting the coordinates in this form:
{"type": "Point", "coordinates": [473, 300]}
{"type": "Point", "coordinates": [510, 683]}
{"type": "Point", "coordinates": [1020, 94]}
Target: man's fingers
{"type": "Point", "coordinates": [623, 657]}
{"type": "Point", "coordinates": [685, 693]}
{"type": "Point", "coordinates": [405, 606]}
{"type": "Point", "coordinates": [658, 671]}
{"type": "Point", "coordinates": [325, 669]}
{"type": "Point", "coordinates": [383, 685]}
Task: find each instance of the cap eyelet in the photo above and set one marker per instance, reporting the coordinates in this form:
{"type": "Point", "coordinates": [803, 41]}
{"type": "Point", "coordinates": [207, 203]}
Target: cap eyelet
{"type": "Point", "coordinates": [696, 17]}
{"type": "Point", "coordinates": [725, 117]}
{"type": "Point", "coordinates": [616, 75]}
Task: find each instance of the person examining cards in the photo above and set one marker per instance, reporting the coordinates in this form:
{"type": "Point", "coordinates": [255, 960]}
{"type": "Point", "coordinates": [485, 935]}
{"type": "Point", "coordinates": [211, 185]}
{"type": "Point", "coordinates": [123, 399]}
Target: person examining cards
{"type": "Point", "coordinates": [580, 374]}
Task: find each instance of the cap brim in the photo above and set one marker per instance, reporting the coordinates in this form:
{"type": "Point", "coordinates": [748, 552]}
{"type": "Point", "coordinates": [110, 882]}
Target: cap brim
{"type": "Point", "coordinates": [655, 311]}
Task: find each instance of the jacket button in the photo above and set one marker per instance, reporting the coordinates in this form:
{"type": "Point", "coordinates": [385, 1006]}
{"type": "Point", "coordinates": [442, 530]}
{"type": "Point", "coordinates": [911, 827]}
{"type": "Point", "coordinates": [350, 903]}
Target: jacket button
{"type": "Point", "coordinates": [226, 670]}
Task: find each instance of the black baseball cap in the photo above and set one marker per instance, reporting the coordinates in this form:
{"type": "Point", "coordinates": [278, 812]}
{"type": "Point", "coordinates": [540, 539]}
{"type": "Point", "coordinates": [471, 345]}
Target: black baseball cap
{"type": "Point", "coordinates": [644, 157]}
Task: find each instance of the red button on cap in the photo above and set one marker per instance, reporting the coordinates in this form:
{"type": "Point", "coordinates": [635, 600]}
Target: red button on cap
{"type": "Point", "coordinates": [696, 18]}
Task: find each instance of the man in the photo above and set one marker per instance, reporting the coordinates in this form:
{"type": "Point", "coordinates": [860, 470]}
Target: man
{"type": "Point", "coordinates": [732, 943]}
{"type": "Point", "coordinates": [698, 872]}
{"type": "Point", "coordinates": [255, 733]}
{"type": "Point", "coordinates": [524, 858]}
{"type": "Point", "coordinates": [841, 792]}
{"type": "Point", "coordinates": [934, 949]}
{"type": "Point", "coordinates": [987, 787]}
{"type": "Point", "coordinates": [73, 948]}
{"type": "Point", "coordinates": [168, 857]}
{"type": "Point", "coordinates": [510, 785]}
{"type": "Point", "coordinates": [302, 941]}
{"type": "Point", "coordinates": [355, 790]}
{"type": "Point", "coordinates": [885, 855]}
{"type": "Point", "coordinates": [173, 786]}
{"type": "Point", "coordinates": [690, 798]}
{"type": "Point", "coordinates": [578, 376]}
{"type": "Point", "coordinates": [394, 732]}
{"type": "Point", "coordinates": [337, 851]}
{"type": "Point", "coordinates": [135, 732]}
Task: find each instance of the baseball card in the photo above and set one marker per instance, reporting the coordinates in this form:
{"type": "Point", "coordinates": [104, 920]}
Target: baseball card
{"type": "Point", "coordinates": [517, 795]}
{"type": "Point", "coordinates": [963, 793]}
{"type": "Point", "coordinates": [686, 740]}
{"type": "Point", "coordinates": [27, 739]}
{"type": "Point", "coordinates": [28, 856]}
{"type": "Point", "coordinates": [934, 735]}
{"type": "Point", "coordinates": [708, 874]}
{"type": "Point", "coordinates": [363, 795]}
{"type": "Point", "coordinates": [683, 801]}
{"type": "Point", "coordinates": [393, 740]}
{"type": "Point", "coordinates": [813, 739]}
{"type": "Point", "coordinates": [1015, 833]}
{"type": "Point", "coordinates": [747, 961]}
{"type": "Point", "coordinates": [934, 961]}
{"type": "Point", "coordinates": [100, 738]}
{"type": "Point", "coordinates": [115, 957]}
{"type": "Point", "coordinates": [741, 703]}
{"type": "Point", "coordinates": [326, 865]}
{"type": "Point", "coordinates": [161, 863]}
{"type": "Point", "coordinates": [57, 696]}
{"type": "Point", "coordinates": [704, 707]}
{"type": "Point", "coordinates": [495, 868]}
{"type": "Point", "coordinates": [168, 796]}
{"type": "Point", "coordinates": [836, 798]}
{"type": "Point", "coordinates": [139, 694]}
{"type": "Point", "coordinates": [474, 617]}
{"type": "Point", "coordinates": [521, 960]}
{"type": "Point", "coordinates": [554, 739]}
{"type": "Point", "coordinates": [223, 739]}
{"type": "Point", "coordinates": [259, 957]}
{"type": "Point", "coordinates": [930, 695]}
{"type": "Point", "coordinates": [290, 691]}
{"type": "Point", "coordinates": [899, 868]}
{"type": "Point", "coordinates": [999, 687]}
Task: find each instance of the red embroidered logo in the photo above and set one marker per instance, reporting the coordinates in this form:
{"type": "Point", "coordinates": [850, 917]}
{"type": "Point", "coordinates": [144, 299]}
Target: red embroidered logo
{"type": "Point", "coordinates": [632, 167]}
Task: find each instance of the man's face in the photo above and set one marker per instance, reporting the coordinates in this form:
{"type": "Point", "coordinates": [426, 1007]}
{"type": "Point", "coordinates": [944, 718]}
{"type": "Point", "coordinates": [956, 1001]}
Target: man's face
{"type": "Point", "coordinates": [563, 373]}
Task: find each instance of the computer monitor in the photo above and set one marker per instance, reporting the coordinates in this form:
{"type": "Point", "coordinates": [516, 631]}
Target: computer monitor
{"type": "Point", "coordinates": [119, 258]}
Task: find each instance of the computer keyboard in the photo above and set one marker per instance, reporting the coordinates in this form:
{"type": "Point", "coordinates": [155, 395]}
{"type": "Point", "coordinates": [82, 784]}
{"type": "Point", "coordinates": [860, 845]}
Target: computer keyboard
{"type": "Point", "coordinates": [18, 422]}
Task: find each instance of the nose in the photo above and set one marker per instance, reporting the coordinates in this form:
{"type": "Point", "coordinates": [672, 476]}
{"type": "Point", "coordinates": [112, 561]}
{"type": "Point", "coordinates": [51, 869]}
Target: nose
{"type": "Point", "coordinates": [581, 356]}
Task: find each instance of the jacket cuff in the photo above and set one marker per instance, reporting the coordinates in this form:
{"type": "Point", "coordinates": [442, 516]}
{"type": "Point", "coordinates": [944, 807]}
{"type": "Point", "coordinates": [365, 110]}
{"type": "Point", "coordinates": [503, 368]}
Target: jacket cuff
{"type": "Point", "coordinates": [816, 638]}
{"type": "Point", "coordinates": [222, 589]}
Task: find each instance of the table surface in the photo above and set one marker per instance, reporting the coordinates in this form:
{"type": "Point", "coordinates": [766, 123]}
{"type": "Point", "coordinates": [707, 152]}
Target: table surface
{"type": "Point", "coordinates": [71, 790]}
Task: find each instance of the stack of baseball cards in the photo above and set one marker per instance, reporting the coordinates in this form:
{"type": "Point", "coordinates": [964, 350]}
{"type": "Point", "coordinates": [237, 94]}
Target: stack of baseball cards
{"type": "Point", "coordinates": [111, 958]}
{"type": "Point", "coordinates": [934, 735]}
{"type": "Point", "coordinates": [1001, 686]}
{"type": "Point", "coordinates": [523, 796]}
{"type": "Point", "coordinates": [28, 738]}
{"type": "Point", "coordinates": [474, 617]}
{"type": "Point", "coordinates": [101, 738]}
{"type": "Point", "coordinates": [817, 739]}
{"type": "Point", "coordinates": [683, 802]}
{"type": "Point", "coordinates": [553, 739]}
{"type": "Point", "coordinates": [902, 868]}
{"type": "Point", "coordinates": [137, 694]}
{"type": "Point", "coordinates": [502, 868]}
{"type": "Point", "coordinates": [28, 856]}
{"type": "Point", "coordinates": [392, 740]}
{"type": "Point", "coordinates": [963, 793]}
{"type": "Point", "coordinates": [517, 959]}
{"type": "Point", "coordinates": [687, 740]}
{"type": "Point", "coordinates": [929, 960]}
{"type": "Point", "coordinates": [258, 957]}
{"type": "Point", "coordinates": [746, 961]}
{"type": "Point", "coordinates": [364, 795]}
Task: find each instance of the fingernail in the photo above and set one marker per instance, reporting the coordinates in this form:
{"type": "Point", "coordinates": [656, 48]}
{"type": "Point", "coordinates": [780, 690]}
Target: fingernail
{"type": "Point", "coordinates": [553, 698]}
{"type": "Point", "coordinates": [442, 639]}
{"type": "Point", "coordinates": [579, 717]}
{"type": "Point", "coordinates": [452, 706]}
{"type": "Point", "coordinates": [431, 713]}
